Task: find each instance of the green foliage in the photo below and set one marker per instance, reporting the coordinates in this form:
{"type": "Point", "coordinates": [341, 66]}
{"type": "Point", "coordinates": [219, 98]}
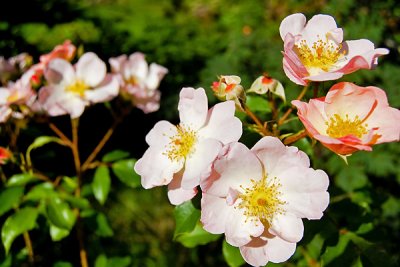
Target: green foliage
{"type": "Point", "coordinates": [101, 184]}
{"type": "Point", "coordinates": [232, 255]}
{"type": "Point", "coordinates": [23, 220]}
{"type": "Point", "coordinates": [9, 198]}
{"type": "Point", "coordinates": [124, 171]}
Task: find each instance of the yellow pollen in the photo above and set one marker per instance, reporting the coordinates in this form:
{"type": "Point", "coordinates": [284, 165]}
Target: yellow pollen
{"type": "Point", "coordinates": [181, 144]}
{"type": "Point", "coordinates": [261, 201]}
{"type": "Point", "coordinates": [78, 87]}
{"type": "Point", "coordinates": [322, 54]}
{"type": "Point", "coordinates": [13, 97]}
{"type": "Point", "coordinates": [339, 127]}
{"type": "Point", "coordinates": [132, 80]}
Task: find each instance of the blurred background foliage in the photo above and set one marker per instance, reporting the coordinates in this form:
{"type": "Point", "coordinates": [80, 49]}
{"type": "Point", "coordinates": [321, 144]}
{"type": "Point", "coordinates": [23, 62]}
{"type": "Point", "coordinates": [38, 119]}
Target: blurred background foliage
{"type": "Point", "coordinates": [197, 40]}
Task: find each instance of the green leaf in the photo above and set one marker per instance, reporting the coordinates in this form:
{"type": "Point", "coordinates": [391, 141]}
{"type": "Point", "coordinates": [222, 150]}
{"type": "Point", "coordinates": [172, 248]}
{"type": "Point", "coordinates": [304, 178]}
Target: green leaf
{"type": "Point", "coordinates": [119, 261]}
{"type": "Point", "coordinates": [115, 155]}
{"type": "Point", "coordinates": [332, 252]}
{"type": "Point", "coordinates": [10, 198]}
{"type": "Point", "coordinates": [198, 236]}
{"type": "Point", "coordinates": [186, 217]}
{"type": "Point", "coordinates": [232, 255]}
{"type": "Point", "coordinates": [57, 233]}
{"type": "Point", "coordinates": [60, 214]}
{"type": "Point", "coordinates": [101, 184]}
{"type": "Point", "coordinates": [70, 184]}
{"type": "Point", "coordinates": [351, 178]}
{"type": "Point", "coordinates": [77, 202]}
{"type": "Point", "coordinates": [18, 223]}
{"type": "Point", "coordinates": [258, 103]}
{"type": "Point", "coordinates": [62, 264]}
{"type": "Point", "coordinates": [124, 171]}
{"type": "Point", "coordinates": [21, 179]}
{"type": "Point", "coordinates": [103, 227]}
{"type": "Point", "coordinates": [42, 140]}
{"type": "Point", "coordinates": [41, 191]}
{"type": "Point", "coordinates": [101, 261]}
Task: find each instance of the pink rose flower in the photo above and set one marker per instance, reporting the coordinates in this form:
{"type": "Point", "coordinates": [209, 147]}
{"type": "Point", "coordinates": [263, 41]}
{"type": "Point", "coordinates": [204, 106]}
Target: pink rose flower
{"type": "Point", "coordinates": [258, 198]}
{"type": "Point", "coordinates": [315, 51]}
{"type": "Point", "coordinates": [65, 51]}
{"type": "Point", "coordinates": [138, 80]}
{"type": "Point", "coordinates": [18, 94]}
{"type": "Point", "coordinates": [350, 118]}
{"type": "Point", "coordinates": [72, 88]}
{"type": "Point", "coordinates": [179, 156]}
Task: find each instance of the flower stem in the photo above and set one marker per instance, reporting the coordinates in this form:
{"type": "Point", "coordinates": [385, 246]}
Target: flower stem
{"type": "Point", "coordinates": [289, 111]}
{"type": "Point", "coordinates": [261, 127]}
{"type": "Point", "coordinates": [78, 168]}
{"type": "Point", "coordinates": [294, 138]}
{"type": "Point", "coordinates": [60, 134]}
{"type": "Point", "coordinates": [28, 244]}
{"type": "Point", "coordinates": [106, 137]}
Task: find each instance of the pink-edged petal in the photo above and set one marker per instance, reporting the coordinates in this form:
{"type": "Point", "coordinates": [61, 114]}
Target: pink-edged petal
{"type": "Point", "coordinates": [222, 124]}
{"type": "Point", "coordinates": [341, 98]}
{"type": "Point", "coordinates": [198, 164]}
{"type": "Point", "coordinates": [60, 71]}
{"type": "Point", "coordinates": [305, 192]}
{"type": "Point", "coordinates": [147, 103]}
{"type": "Point", "coordinates": [293, 24]}
{"type": "Point", "coordinates": [288, 227]}
{"type": "Point", "coordinates": [91, 69]}
{"type": "Point", "coordinates": [193, 107]}
{"type": "Point", "coordinates": [276, 157]}
{"type": "Point", "coordinates": [156, 169]}
{"type": "Point", "coordinates": [215, 213]}
{"type": "Point", "coordinates": [106, 91]}
{"type": "Point", "coordinates": [160, 135]}
{"type": "Point", "coordinates": [155, 75]}
{"type": "Point", "coordinates": [326, 76]}
{"type": "Point", "coordinates": [5, 112]}
{"type": "Point", "coordinates": [261, 250]}
{"type": "Point", "coordinates": [239, 231]}
{"type": "Point", "coordinates": [312, 115]}
{"type": "Point", "coordinates": [387, 121]}
{"type": "Point", "coordinates": [292, 65]}
{"type": "Point", "coordinates": [317, 27]}
{"type": "Point", "coordinates": [176, 194]}
{"type": "Point", "coordinates": [343, 146]}
{"type": "Point", "coordinates": [116, 63]}
{"type": "Point", "coordinates": [235, 166]}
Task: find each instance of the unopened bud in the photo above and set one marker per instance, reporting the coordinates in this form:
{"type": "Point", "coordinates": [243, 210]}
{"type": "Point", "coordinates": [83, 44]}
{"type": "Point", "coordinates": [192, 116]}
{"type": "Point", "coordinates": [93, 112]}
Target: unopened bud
{"type": "Point", "coordinates": [264, 84]}
{"type": "Point", "coordinates": [228, 88]}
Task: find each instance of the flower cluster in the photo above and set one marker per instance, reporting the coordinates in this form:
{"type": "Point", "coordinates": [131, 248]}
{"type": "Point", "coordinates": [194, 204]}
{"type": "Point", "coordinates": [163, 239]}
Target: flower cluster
{"type": "Point", "coordinates": [55, 86]}
{"type": "Point", "coordinates": [258, 197]}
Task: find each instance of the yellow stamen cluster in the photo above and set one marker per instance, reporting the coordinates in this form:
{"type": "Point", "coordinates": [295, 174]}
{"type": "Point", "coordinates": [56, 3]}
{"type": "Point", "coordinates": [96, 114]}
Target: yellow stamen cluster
{"type": "Point", "coordinates": [322, 54]}
{"type": "Point", "coordinates": [78, 87]}
{"type": "Point", "coordinates": [181, 144]}
{"type": "Point", "coordinates": [340, 127]}
{"type": "Point", "coordinates": [261, 201]}
{"type": "Point", "coordinates": [132, 80]}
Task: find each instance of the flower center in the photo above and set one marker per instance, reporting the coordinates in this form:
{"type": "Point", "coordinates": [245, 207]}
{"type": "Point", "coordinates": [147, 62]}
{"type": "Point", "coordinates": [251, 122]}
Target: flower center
{"type": "Point", "coordinates": [181, 144]}
{"type": "Point", "coordinates": [339, 127]}
{"type": "Point", "coordinates": [13, 97]}
{"type": "Point", "coordinates": [78, 87]}
{"type": "Point", "coordinates": [261, 200]}
{"type": "Point", "coordinates": [132, 80]}
{"type": "Point", "coordinates": [322, 55]}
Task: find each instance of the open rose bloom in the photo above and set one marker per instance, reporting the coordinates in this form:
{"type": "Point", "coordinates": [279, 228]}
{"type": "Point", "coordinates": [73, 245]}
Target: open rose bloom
{"type": "Point", "coordinates": [258, 198]}
{"type": "Point", "coordinates": [181, 155]}
{"type": "Point", "coordinates": [72, 88]}
{"type": "Point", "coordinates": [315, 50]}
{"type": "Point", "coordinates": [138, 80]}
{"type": "Point", "coordinates": [350, 118]}
{"type": "Point", "coordinates": [18, 94]}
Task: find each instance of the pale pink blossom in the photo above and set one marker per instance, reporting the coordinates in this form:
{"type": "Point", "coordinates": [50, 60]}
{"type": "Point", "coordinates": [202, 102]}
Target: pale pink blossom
{"type": "Point", "coordinates": [138, 80]}
{"type": "Point", "coordinates": [258, 198]}
{"type": "Point", "coordinates": [315, 50]}
{"type": "Point", "coordinates": [350, 118]}
{"type": "Point", "coordinates": [64, 51]}
{"type": "Point", "coordinates": [72, 88]}
{"type": "Point", "coordinates": [181, 155]}
{"type": "Point", "coordinates": [17, 94]}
